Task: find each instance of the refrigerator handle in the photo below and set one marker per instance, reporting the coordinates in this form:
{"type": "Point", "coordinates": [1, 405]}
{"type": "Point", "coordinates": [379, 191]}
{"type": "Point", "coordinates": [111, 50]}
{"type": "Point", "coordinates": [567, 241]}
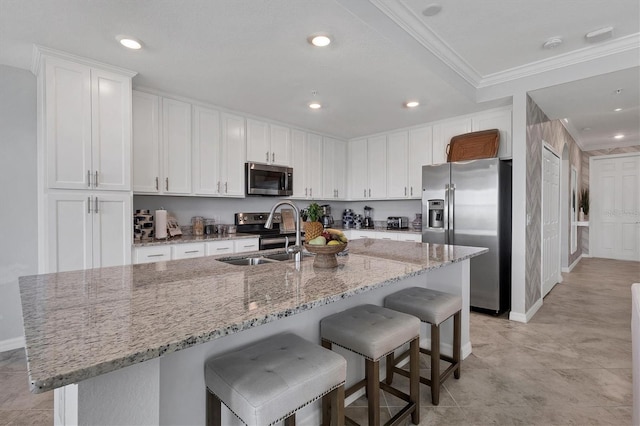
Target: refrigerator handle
{"type": "Point", "coordinates": [452, 203]}
{"type": "Point", "coordinates": [446, 214]}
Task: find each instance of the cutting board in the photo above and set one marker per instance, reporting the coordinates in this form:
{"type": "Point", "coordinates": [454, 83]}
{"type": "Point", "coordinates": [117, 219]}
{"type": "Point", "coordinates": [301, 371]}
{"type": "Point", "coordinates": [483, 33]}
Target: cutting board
{"type": "Point", "coordinates": [474, 145]}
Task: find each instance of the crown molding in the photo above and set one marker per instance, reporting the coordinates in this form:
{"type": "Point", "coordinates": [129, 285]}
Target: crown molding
{"type": "Point", "coordinates": [586, 54]}
{"type": "Point", "coordinates": [40, 51]}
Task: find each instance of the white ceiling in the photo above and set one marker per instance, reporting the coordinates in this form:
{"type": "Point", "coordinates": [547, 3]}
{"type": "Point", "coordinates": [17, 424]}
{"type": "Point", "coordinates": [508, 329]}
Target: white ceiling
{"type": "Point", "coordinates": [252, 56]}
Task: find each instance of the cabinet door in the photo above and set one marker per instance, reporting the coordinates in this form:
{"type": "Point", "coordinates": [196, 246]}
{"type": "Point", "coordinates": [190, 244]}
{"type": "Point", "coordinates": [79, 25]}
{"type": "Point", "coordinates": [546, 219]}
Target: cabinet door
{"type": "Point", "coordinates": [298, 159]}
{"type": "Point", "coordinates": [245, 245]}
{"type": "Point", "coordinates": [146, 142]}
{"type": "Point", "coordinates": [112, 229]}
{"type": "Point", "coordinates": [377, 162]}
{"type": "Point", "coordinates": [314, 165]}
{"type": "Point", "coordinates": [233, 156]}
{"type": "Point", "coordinates": [442, 134]}
{"type": "Point", "coordinates": [392, 236]}
{"type": "Point", "coordinates": [176, 144]}
{"type": "Point", "coordinates": [67, 118]}
{"type": "Point", "coordinates": [187, 251]}
{"type": "Point", "coordinates": [357, 234]}
{"type": "Point", "coordinates": [420, 146]}
{"type": "Point", "coordinates": [151, 254]}
{"type": "Point", "coordinates": [358, 182]}
{"type": "Point", "coordinates": [280, 145]}
{"type": "Point", "coordinates": [218, 247]}
{"type": "Point", "coordinates": [417, 238]}
{"type": "Point", "coordinates": [258, 146]}
{"type": "Point", "coordinates": [69, 240]}
{"type": "Point", "coordinates": [111, 130]}
{"type": "Point", "coordinates": [206, 151]}
{"type": "Point", "coordinates": [500, 120]}
{"type": "Point", "coordinates": [333, 168]}
{"type": "Point", "coordinates": [397, 161]}
{"type": "Point", "coordinates": [340, 169]}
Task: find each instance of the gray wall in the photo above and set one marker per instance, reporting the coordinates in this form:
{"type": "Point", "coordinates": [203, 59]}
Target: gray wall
{"type": "Point", "coordinates": [18, 238]}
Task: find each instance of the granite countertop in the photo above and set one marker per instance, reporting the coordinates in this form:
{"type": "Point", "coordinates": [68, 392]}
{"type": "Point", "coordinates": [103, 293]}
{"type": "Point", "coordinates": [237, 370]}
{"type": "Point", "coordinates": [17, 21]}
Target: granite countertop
{"type": "Point", "coordinates": [81, 324]}
{"type": "Point", "coordinates": [182, 239]}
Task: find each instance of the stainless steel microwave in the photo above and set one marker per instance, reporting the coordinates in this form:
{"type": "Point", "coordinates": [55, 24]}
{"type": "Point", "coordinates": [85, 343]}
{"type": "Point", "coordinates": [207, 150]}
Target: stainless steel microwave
{"type": "Point", "coordinates": [263, 179]}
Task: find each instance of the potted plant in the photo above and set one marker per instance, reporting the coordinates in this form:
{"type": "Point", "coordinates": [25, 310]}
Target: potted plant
{"type": "Point", "coordinates": [313, 228]}
{"type": "Point", "coordinates": [584, 203]}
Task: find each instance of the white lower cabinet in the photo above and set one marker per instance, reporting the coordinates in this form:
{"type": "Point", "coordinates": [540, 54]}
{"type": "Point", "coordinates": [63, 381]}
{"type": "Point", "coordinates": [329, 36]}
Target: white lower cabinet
{"type": "Point", "coordinates": [187, 251]}
{"type": "Point", "coordinates": [213, 248]}
{"type": "Point", "coordinates": [244, 245]}
{"type": "Point", "coordinates": [88, 230]}
{"type": "Point", "coordinates": [409, 237]}
{"type": "Point", "coordinates": [357, 234]}
{"type": "Point", "coordinates": [386, 236]}
{"type": "Point", "coordinates": [151, 254]}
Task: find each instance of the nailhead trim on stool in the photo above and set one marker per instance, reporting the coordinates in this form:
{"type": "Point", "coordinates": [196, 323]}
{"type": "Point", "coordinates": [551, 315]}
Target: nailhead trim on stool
{"type": "Point", "coordinates": [432, 307]}
{"type": "Point", "coordinates": [374, 332]}
{"type": "Point", "coordinates": [269, 380]}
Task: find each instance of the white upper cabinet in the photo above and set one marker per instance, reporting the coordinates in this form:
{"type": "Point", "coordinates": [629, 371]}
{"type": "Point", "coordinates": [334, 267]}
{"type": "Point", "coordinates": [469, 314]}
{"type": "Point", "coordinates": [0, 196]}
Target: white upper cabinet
{"type": "Point", "coordinates": [268, 143]}
{"type": "Point", "coordinates": [176, 146]}
{"type": "Point", "coordinates": [313, 165]}
{"type": "Point", "coordinates": [397, 165]}
{"type": "Point", "coordinates": [206, 151]}
{"type": "Point", "coordinates": [368, 168]}
{"type": "Point", "coordinates": [420, 151]}
{"type": "Point", "coordinates": [358, 169]}
{"type": "Point", "coordinates": [86, 125]}
{"type": "Point", "coordinates": [333, 169]}
{"type": "Point", "coordinates": [146, 142]}
{"type": "Point", "coordinates": [233, 154]}
{"type": "Point", "coordinates": [496, 119]}
{"type": "Point", "coordinates": [442, 134]}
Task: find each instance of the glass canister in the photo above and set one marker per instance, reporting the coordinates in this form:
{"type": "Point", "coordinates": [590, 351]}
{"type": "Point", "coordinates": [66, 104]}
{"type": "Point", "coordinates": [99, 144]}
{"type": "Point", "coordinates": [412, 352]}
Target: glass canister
{"type": "Point", "coordinates": [197, 226]}
{"type": "Point", "coordinates": [209, 226]}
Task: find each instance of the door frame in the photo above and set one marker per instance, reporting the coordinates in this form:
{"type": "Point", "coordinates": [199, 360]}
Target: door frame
{"type": "Point", "coordinates": [553, 151]}
{"type": "Point", "coordinates": [591, 180]}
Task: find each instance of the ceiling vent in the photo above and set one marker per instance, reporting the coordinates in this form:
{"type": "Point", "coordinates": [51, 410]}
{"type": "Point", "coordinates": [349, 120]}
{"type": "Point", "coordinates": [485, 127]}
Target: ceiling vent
{"type": "Point", "coordinates": [599, 35]}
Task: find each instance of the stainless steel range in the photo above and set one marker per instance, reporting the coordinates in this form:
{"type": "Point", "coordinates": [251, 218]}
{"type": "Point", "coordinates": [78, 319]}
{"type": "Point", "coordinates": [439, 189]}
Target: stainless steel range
{"type": "Point", "coordinates": [253, 223]}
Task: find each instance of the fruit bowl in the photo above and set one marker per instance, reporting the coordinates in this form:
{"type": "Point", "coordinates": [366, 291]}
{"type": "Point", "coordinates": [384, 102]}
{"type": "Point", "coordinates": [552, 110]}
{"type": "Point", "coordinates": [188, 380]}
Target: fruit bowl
{"type": "Point", "coordinates": [325, 255]}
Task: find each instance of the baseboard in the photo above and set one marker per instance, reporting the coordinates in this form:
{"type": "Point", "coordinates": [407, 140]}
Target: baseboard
{"type": "Point", "coordinates": [573, 265]}
{"type": "Point", "coordinates": [11, 344]}
{"type": "Point", "coordinates": [525, 318]}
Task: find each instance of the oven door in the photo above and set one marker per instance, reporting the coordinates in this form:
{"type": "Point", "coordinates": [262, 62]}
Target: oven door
{"type": "Point", "coordinates": [277, 241]}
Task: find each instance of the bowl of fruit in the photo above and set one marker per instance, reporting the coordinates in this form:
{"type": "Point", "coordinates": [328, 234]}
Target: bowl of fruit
{"type": "Point", "coordinates": [326, 246]}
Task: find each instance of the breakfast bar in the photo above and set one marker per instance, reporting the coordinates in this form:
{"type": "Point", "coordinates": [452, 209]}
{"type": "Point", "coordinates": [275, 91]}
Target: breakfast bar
{"type": "Point", "coordinates": [127, 345]}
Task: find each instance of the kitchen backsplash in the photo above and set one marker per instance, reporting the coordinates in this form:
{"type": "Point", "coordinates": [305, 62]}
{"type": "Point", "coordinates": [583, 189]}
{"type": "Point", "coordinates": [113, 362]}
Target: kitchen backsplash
{"type": "Point", "coordinates": [223, 209]}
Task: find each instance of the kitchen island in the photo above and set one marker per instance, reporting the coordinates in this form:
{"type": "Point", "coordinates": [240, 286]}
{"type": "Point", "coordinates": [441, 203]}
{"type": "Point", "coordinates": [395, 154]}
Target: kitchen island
{"type": "Point", "coordinates": [127, 345]}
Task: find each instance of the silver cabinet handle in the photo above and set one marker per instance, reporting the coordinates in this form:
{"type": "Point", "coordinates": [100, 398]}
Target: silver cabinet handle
{"type": "Point", "coordinates": [405, 191]}
{"type": "Point", "coordinates": [306, 192]}
{"type": "Point", "coordinates": [95, 183]}
{"type": "Point", "coordinates": [192, 251]}
{"type": "Point", "coordinates": [337, 193]}
{"type": "Point", "coordinates": [218, 187]}
{"type": "Point", "coordinates": [88, 178]}
{"type": "Point", "coordinates": [369, 192]}
{"type": "Point", "coordinates": [222, 248]}
{"type": "Point", "coordinates": [88, 205]}
{"type": "Point", "coordinates": [364, 192]}
{"type": "Point", "coordinates": [157, 184]}
{"type": "Point", "coordinates": [267, 156]}
{"type": "Point", "coordinates": [310, 192]}
{"type": "Point", "coordinates": [273, 157]}
{"type": "Point", "coordinates": [412, 191]}
{"type": "Point", "coordinates": [226, 187]}
{"type": "Point", "coordinates": [166, 184]}
{"type": "Point", "coordinates": [250, 245]}
{"type": "Point", "coordinates": [155, 255]}
{"type": "Point", "coordinates": [96, 209]}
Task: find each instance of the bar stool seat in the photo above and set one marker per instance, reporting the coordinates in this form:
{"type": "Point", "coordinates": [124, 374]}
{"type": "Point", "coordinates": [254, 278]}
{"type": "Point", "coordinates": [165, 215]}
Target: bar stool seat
{"type": "Point", "coordinates": [373, 332]}
{"type": "Point", "coordinates": [432, 307]}
{"type": "Point", "coordinates": [268, 381]}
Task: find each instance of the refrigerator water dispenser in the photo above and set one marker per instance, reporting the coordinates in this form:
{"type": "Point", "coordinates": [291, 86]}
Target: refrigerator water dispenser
{"type": "Point", "coordinates": [436, 213]}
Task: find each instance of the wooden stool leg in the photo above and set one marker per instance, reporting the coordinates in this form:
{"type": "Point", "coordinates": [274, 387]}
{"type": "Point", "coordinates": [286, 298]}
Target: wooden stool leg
{"type": "Point", "coordinates": [327, 409]}
{"type": "Point", "coordinates": [290, 421]}
{"type": "Point", "coordinates": [414, 379]}
{"type": "Point", "coordinates": [390, 364]}
{"type": "Point", "coordinates": [435, 364]}
{"type": "Point", "coordinates": [372, 369]}
{"type": "Point", "coordinates": [214, 410]}
{"type": "Point", "coordinates": [337, 406]}
{"type": "Point", "coordinates": [457, 336]}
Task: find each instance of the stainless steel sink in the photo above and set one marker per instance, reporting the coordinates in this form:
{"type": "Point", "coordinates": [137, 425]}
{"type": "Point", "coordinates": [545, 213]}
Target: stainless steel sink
{"type": "Point", "coordinates": [249, 261]}
{"type": "Point", "coordinates": [284, 256]}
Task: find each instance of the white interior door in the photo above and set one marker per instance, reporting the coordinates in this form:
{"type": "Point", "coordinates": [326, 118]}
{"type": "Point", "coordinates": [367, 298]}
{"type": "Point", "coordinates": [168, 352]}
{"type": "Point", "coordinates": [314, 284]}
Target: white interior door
{"type": "Point", "coordinates": [614, 214]}
{"type": "Point", "coordinates": [550, 220]}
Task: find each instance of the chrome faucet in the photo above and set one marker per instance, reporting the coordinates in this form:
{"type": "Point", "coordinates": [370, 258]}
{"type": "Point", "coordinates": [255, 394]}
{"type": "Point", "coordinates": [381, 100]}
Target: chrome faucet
{"type": "Point", "coordinates": [297, 248]}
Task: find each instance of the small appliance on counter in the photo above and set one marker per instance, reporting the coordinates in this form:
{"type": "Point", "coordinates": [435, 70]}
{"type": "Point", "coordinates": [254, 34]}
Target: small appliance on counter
{"type": "Point", "coordinates": [326, 219]}
{"type": "Point", "coordinates": [368, 219]}
{"type": "Point", "coordinates": [348, 219]}
{"type": "Point", "coordinates": [397, 222]}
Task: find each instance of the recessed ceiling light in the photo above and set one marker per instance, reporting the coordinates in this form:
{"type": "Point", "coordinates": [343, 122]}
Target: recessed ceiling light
{"type": "Point", "coordinates": [129, 42]}
{"type": "Point", "coordinates": [620, 136]}
{"type": "Point", "coordinates": [411, 104]}
{"type": "Point", "coordinates": [315, 105]}
{"type": "Point", "coordinates": [566, 120]}
{"type": "Point", "coordinates": [618, 109]}
{"type": "Point", "coordinates": [319, 40]}
{"type": "Point", "coordinates": [552, 43]}
{"type": "Point", "coordinates": [432, 9]}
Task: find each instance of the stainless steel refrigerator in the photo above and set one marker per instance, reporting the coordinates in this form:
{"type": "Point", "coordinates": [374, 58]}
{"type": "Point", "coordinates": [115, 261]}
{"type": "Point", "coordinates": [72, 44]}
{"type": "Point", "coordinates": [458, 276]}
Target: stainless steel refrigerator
{"type": "Point", "coordinates": [468, 203]}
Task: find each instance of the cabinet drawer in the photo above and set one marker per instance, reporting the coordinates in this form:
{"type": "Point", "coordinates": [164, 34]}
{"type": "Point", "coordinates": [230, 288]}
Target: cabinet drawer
{"type": "Point", "coordinates": [151, 254]}
{"type": "Point", "coordinates": [386, 236]}
{"type": "Point", "coordinates": [248, 244]}
{"type": "Point", "coordinates": [219, 247]}
{"type": "Point", "coordinates": [358, 234]}
{"type": "Point", "coordinates": [187, 251]}
{"type": "Point", "coordinates": [410, 237]}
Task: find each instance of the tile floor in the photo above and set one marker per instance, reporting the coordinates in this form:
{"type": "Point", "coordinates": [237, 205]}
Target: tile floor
{"type": "Point", "coordinates": [570, 365]}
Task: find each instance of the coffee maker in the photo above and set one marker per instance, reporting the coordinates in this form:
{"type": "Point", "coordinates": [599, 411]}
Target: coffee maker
{"type": "Point", "coordinates": [368, 220]}
{"type": "Point", "coordinates": [326, 219]}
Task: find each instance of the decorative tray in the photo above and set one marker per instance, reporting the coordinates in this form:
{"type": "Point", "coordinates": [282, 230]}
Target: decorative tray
{"type": "Point", "coordinates": [474, 145]}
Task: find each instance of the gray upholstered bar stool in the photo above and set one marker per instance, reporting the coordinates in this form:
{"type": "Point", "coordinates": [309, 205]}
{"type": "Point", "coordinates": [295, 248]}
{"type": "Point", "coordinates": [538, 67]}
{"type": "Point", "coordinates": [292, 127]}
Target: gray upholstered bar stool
{"type": "Point", "coordinates": [268, 381]}
{"type": "Point", "coordinates": [433, 307]}
{"type": "Point", "coordinates": [373, 332]}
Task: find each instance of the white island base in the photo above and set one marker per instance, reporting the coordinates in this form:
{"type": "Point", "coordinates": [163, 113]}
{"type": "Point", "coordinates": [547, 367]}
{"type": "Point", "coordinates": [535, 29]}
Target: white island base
{"type": "Point", "coordinates": [170, 390]}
